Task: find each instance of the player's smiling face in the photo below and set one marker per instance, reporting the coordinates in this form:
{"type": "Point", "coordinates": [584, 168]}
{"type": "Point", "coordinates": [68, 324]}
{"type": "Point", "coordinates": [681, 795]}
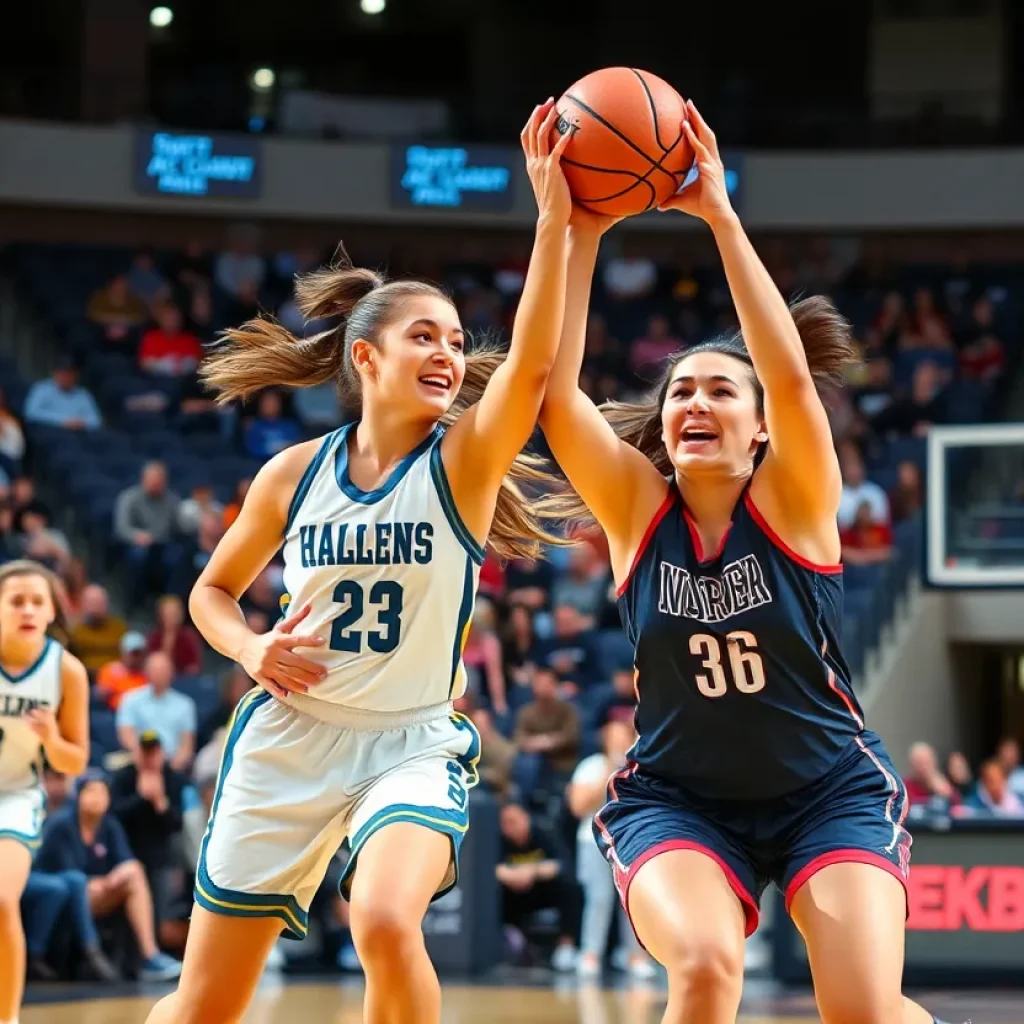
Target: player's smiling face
{"type": "Point", "coordinates": [423, 359]}
{"type": "Point", "coordinates": [710, 418]}
{"type": "Point", "coordinates": [26, 608]}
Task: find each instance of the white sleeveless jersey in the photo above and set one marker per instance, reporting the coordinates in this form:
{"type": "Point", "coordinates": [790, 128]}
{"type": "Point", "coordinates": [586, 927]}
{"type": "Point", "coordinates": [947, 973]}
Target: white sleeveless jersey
{"type": "Point", "coordinates": [21, 753]}
{"type": "Point", "coordinates": [391, 575]}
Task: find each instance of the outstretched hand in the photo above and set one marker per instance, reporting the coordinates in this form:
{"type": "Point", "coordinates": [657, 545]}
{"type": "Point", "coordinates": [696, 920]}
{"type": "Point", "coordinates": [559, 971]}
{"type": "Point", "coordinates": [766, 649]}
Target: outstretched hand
{"type": "Point", "coordinates": [707, 196]}
{"type": "Point", "coordinates": [543, 164]}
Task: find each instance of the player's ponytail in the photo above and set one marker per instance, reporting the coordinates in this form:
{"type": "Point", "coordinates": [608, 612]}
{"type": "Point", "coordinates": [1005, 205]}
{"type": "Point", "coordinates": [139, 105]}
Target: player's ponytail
{"type": "Point", "coordinates": [827, 344]}
{"type": "Point", "coordinates": [263, 353]}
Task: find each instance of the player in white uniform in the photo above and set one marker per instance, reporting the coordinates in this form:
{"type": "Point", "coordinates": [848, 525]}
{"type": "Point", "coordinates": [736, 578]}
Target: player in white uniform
{"type": "Point", "coordinates": [44, 710]}
{"type": "Point", "coordinates": [384, 524]}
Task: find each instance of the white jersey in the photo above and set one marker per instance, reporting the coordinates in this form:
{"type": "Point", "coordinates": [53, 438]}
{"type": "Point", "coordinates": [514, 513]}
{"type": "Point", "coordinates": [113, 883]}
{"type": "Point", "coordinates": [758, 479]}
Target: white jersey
{"type": "Point", "coordinates": [21, 753]}
{"type": "Point", "coordinates": [391, 575]}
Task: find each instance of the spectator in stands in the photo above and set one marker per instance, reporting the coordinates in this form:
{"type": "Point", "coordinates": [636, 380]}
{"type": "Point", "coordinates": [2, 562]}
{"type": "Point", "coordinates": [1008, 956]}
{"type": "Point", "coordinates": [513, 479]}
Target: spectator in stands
{"type": "Point", "coordinates": [617, 702]}
{"type": "Point", "coordinates": [24, 499]}
{"type": "Point", "coordinates": [60, 401]}
{"type": "Point", "coordinates": [929, 328]}
{"type": "Point", "coordinates": [519, 641]}
{"type": "Point", "coordinates": [584, 586]}
{"type": "Point", "coordinates": [196, 408]}
{"type": "Point", "coordinates": [857, 489]}
{"type": "Point", "coordinates": [41, 542]}
{"type": "Point", "coordinates": [75, 579]}
{"type": "Point", "coordinates": [528, 582]}
{"type": "Point", "coordinates": [147, 797]}
{"type": "Point", "coordinates": [145, 281]}
{"type": "Point", "coordinates": [915, 413]}
{"type": "Point", "coordinates": [192, 509]}
{"type": "Point", "coordinates": [156, 707]}
{"type": "Point", "coordinates": [234, 686]}
{"type": "Point", "coordinates": [547, 736]}
{"type": "Point", "coordinates": [239, 271]}
{"type": "Point", "coordinates": [1008, 755]}
{"type": "Point", "coordinates": [96, 635]}
{"type": "Point", "coordinates": [907, 497]}
{"type": "Point", "coordinates": [982, 356]}
{"type": "Point", "coordinates": [192, 269]}
{"type": "Point", "coordinates": [10, 541]}
{"type": "Point", "coordinates": [85, 837]}
{"type": "Point", "coordinates": [958, 771]}
{"type": "Point", "coordinates": [172, 635]}
{"type": "Point", "coordinates": [168, 350]}
{"type": "Point", "coordinates": [481, 655]}
{"type": "Point", "coordinates": [234, 506]}
{"type": "Point", "coordinates": [49, 898]}
{"type": "Point", "coordinates": [647, 353]}
{"type": "Point", "coordinates": [571, 650]}
{"type": "Point", "coordinates": [116, 311]}
{"type": "Point", "coordinates": [117, 678]}
{"type": "Point", "coordinates": [925, 780]}
{"type": "Point", "coordinates": [587, 794]}
{"type": "Point", "coordinates": [865, 541]}
{"type": "Point", "coordinates": [993, 795]}
{"type": "Point", "coordinates": [270, 431]}
{"type": "Point", "coordinates": [534, 875]}
{"type": "Point", "coordinates": [12, 439]}
{"type": "Point", "coordinates": [497, 754]}
{"type": "Point", "coordinates": [145, 518]}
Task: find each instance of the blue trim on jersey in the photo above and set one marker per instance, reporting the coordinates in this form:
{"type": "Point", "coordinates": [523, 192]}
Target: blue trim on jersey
{"type": "Point", "coordinates": [307, 478]}
{"type": "Point", "coordinates": [451, 512]}
{"type": "Point", "coordinates": [31, 843]}
{"type": "Point", "coordinates": [470, 760]}
{"type": "Point", "coordinates": [397, 474]}
{"type": "Point", "coordinates": [22, 676]}
{"type": "Point", "coordinates": [452, 823]}
{"type": "Point", "coordinates": [461, 627]}
{"type": "Point", "coordinates": [227, 901]}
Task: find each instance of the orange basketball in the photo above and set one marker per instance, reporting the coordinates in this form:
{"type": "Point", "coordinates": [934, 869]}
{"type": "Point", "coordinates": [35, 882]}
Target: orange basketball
{"type": "Point", "coordinates": [628, 152]}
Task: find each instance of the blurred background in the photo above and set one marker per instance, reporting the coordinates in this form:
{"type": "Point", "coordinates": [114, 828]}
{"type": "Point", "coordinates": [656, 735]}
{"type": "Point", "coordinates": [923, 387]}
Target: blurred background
{"type": "Point", "coordinates": [166, 171]}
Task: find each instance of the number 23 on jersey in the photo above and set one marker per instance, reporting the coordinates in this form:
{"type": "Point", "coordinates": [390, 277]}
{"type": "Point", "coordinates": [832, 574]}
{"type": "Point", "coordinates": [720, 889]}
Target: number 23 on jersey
{"type": "Point", "coordinates": [741, 661]}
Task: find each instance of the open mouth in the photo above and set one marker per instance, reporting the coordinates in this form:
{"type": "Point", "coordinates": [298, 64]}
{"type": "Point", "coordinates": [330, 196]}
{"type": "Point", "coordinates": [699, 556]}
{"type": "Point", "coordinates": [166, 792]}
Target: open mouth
{"type": "Point", "coordinates": [696, 438]}
{"type": "Point", "coordinates": [436, 382]}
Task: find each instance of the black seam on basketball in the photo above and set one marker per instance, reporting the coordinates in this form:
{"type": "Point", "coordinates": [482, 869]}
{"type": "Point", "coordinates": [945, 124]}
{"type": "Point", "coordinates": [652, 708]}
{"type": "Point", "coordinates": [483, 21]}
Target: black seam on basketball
{"type": "Point", "coordinates": [656, 165]}
{"type": "Point", "coordinates": [640, 180]}
{"type": "Point", "coordinates": [615, 131]}
{"type": "Point", "coordinates": [654, 110]}
{"type": "Point", "coordinates": [619, 195]}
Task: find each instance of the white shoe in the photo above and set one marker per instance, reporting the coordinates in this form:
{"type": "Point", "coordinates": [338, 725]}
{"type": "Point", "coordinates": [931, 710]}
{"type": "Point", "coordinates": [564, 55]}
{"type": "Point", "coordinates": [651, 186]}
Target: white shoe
{"type": "Point", "coordinates": [642, 969]}
{"type": "Point", "coordinates": [564, 958]}
{"type": "Point", "coordinates": [588, 965]}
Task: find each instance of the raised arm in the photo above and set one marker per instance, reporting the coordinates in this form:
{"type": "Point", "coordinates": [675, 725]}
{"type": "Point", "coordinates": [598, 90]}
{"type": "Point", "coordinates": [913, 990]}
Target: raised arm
{"type": "Point", "coordinates": [244, 551]}
{"type": "Point", "coordinates": [619, 485]}
{"type": "Point", "coordinates": [483, 442]}
{"type": "Point", "coordinates": [801, 469]}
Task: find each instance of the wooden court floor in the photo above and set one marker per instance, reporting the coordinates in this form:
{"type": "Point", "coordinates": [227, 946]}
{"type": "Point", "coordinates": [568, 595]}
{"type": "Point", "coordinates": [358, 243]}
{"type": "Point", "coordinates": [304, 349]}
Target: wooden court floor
{"type": "Point", "coordinates": [331, 1002]}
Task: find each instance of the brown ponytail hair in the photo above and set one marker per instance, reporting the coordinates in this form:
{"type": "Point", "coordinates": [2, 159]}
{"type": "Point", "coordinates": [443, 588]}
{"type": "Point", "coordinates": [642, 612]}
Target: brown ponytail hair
{"type": "Point", "coordinates": [58, 594]}
{"type": "Point", "coordinates": [826, 339]}
{"type": "Point", "coordinates": [262, 354]}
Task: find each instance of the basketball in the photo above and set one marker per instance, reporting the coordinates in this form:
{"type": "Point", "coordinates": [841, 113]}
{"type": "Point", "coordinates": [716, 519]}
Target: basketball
{"type": "Point", "coordinates": [628, 152]}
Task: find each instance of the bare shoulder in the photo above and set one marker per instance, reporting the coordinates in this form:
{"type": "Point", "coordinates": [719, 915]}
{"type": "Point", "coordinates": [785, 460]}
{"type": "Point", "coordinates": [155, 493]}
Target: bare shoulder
{"type": "Point", "coordinates": [277, 479]}
{"type": "Point", "coordinates": [72, 670]}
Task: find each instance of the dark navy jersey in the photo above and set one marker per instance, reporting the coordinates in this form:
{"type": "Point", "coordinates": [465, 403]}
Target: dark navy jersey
{"type": "Point", "coordinates": [743, 690]}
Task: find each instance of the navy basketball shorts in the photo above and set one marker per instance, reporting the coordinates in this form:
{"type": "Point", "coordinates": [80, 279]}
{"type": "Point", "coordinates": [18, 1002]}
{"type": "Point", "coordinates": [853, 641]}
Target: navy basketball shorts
{"type": "Point", "coordinates": [854, 814]}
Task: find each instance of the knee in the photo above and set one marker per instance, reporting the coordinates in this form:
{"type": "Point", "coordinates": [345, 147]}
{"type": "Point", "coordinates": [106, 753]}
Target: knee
{"type": "Point", "coordinates": [385, 933]}
{"type": "Point", "coordinates": [701, 963]}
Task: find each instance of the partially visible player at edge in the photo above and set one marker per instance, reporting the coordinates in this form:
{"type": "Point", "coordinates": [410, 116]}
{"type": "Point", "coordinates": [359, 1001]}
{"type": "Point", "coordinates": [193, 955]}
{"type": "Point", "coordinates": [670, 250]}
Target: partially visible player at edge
{"type": "Point", "coordinates": [718, 495]}
{"type": "Point", "coordinates": [384, 525]}
{"type": "Point", "coordinates": [44, 710]}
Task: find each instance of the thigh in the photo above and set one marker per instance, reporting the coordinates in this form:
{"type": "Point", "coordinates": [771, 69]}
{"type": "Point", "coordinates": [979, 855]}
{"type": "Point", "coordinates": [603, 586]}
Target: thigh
{"type": "Point", "coordinates": [224, 960]}
{"type": "Point", "coordinates": [645, 820]}
{"type": "Point", "coordinates": [17, 865]}
{"type": "Point", "coordinates": [853, 816]}
{"type": "Point", "coordinates": [423, 775]}
{"type": "Point", "coordinates": [852, 916]}
{"type": "Point", "coordinates": [104, 896]}
{"type": "Point", "coordinates": [278, 814]}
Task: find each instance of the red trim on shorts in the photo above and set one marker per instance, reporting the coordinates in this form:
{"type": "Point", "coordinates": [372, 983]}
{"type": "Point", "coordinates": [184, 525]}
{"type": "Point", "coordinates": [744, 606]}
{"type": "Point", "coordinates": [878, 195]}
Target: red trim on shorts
{"type": "Point", "coordinates": [646, 539]}
{"type": "Point", "coordinates": [782, 545]}
{"type": "Point", "coordinates": [751, 912]}
{"type": "Point", "coordinates": [843, 857]}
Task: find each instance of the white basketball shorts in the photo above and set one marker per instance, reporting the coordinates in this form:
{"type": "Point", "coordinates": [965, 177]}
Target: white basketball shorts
{"type": "Point", "coordinates": [21, 816]}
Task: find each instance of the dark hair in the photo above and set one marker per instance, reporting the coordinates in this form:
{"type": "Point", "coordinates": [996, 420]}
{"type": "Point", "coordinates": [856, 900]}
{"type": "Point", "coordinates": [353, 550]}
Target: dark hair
{"type": "Point", "coordinates": [826, 339]}
{"type": "Point", "coordinates": [26, 567]}
{"type": "Point", "coordinates": [262, 353]}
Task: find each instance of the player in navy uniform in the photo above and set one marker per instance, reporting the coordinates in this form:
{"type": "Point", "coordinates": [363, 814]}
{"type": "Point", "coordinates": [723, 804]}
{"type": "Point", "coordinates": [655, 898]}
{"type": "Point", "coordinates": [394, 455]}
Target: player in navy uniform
{"type": "Point", "coordinates": [718, 495]}
{"type": "Point", "coordinates": [44, 710]}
